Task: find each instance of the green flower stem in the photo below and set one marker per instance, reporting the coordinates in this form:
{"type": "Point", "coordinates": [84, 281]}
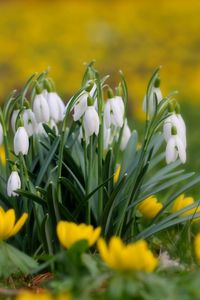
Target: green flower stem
{"type": "Point", "coordinates": [88, 179]}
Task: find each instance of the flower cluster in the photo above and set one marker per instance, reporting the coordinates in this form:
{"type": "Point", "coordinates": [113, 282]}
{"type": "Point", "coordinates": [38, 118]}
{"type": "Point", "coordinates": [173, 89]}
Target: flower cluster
{"type": "Point", "coordinates": [86, 112]}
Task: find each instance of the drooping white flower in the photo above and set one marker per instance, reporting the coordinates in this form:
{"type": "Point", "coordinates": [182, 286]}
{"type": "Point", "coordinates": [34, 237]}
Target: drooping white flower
{"type": "Point", "coordinates": [91, 121]}
{"type": "Point", "coordinates": [1, 134]}
{"type": "Point", "coordinates": [13, 184]}
{"type": "Point", "coordinates": [13, 119]}
{"type": "Point", "coordinates": [152, 104]}
{"type": "Point", "coordinates": [114, 112]}
{"type": "Point", "coordinates": [80, 107]}
{"type": "Point", "coordinates": [41, 108]}
{"type": "Point", "coordinates": [56, 107]}
{"type": "Point", "coordinates": [175, 148]}
{"type": "Point", "coordinates": [125, 136]}
{"type": "Point", "coordinates": [30, 123]}
{"type": "Point", "coordinates": [175, 120]}
{"type": "Point", "coordinates": [21, 141]}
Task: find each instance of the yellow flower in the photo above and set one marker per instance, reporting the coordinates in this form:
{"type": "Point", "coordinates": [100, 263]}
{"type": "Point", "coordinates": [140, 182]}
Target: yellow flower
{"type": "Point", "coordinates": [70, 233]}
{"type": "Point", "coordinates": [8, 227]}
{"type": "Point", "coordinates": [2, 155]}
{"type": "Point", "coordinates": [117, 172]}
{"type": "Point", "coordinates": [150, 207]}
{"type": "Point", "coordinates": [135, 256]}
{"type": "Point", "coordinates": [26, 295]}
{"type": "Point", "coordinates": [197, 246]}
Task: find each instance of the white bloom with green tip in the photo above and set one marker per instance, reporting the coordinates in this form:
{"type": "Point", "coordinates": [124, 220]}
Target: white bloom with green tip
{"type": "Point", "coordinates": [41, 108]}
{"type": "Point", "coordinates": [13, 184]}
{"type": "Point", "coordinates": [175, 120]}
{"type": "Point", "coordinates": [30, 122]}
{"type": "Point", "coordinates": [175, 148]}
{"type": "Point", "coordinates": [21, 141]}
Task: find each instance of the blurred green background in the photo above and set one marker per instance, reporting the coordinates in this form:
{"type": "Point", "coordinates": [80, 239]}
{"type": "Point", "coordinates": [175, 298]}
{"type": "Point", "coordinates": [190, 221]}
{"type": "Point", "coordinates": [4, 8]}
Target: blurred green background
{"type": "Point", "coordinates": [135, 36]}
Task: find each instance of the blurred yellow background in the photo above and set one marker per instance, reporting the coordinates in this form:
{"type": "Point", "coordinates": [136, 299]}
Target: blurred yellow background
{"type": "Point", "coordinates": [135, 36]}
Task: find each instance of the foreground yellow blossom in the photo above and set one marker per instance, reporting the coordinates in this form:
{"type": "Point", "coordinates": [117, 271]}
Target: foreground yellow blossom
{"type": "Point", "coordinates": [150, 207]}
{"type": "Point", "coordinates": [136, 256]}
{"type": "Point", "coordinates": [8, 227]}
{"type": "Point", "coordinates": [182, 202]}
{"type": "Point", "coordinates": [26, 295]}
{"type": "Point", "coordinates": [2, 155]}
{"type": "Point", "coordinates": [70, 233]}
{"type": "Point", "coordinates": [117, 172]}
{"type": "Point", "coordinates": [197, 246]}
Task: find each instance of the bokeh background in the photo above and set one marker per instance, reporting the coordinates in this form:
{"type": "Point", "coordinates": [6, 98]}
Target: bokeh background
{"type": "Point", "coordinates": [134, 36]}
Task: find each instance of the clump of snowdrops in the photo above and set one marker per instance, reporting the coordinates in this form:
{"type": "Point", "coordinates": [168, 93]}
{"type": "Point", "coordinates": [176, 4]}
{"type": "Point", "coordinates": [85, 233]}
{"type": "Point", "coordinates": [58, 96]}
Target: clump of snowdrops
{"type": "Point", "coordinates": [80, 162]}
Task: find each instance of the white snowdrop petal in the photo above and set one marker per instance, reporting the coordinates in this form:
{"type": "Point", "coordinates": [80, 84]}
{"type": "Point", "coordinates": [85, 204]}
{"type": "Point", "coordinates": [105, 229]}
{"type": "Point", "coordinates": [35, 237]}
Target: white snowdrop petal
{"type": "Point", "coordinates": [91, 121]}
{"type": "Point", "coordinates": [80, 107]}
{"type": "Point", "coordinates": [125, 136]}
{"type": "Point", "coordinates": [171, 153]}
{"type": "Point", "coordinates": [21, 141]}
{"type": "Point", "coordinates": [41, 108]}
{"type": "Point", "coordinates": [181, 149]}
{"type": "Point", "coordinates": [13, 184]}
{"type": "Point", "coordinates": [30, 123]}
{"type": "Point", "coordinates": [107, 116]}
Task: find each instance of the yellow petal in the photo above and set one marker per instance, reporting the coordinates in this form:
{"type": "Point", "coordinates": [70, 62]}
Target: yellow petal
{"type": "Point", "coordinates": [19, 224]}
{"type": "Point", "coordinates": [9, 221]}
{"type": "Point", "coordinates": [95, 235]}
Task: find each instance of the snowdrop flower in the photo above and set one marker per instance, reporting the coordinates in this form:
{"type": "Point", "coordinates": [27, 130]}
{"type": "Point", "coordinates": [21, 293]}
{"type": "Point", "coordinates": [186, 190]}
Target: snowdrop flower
{"type": "Point", "coordinates": [21, 141]}
{"type": "Point", "coordinates": [13, 119]}
{"type": "Point", "coordinates": [91, 121]}
{"type": "Point", "coordinates": [175, 148]}
{"type": "Point", "coordinates": [114, 112]}
{"type": "Point", "coordinates": [152, 104]}
{"type": "Point", "coordinates": [125, 136]}
{"type": "Point", "coordinates": [80, 107]}
{"type": "Point", "coordinates": [30, 123]}
{"type": "Point", "coordinates": [107, 137]}
{"type": "Point", "coordinates": [175, 120]}
{"type": "Point", "coordinates": [1, 134]}
{"type": "Point", "coordinates": [56, 107]}
{"type": "Point", "coordinates": [13, 184]}
{"type": "Point", "coordinates": [41, 108]}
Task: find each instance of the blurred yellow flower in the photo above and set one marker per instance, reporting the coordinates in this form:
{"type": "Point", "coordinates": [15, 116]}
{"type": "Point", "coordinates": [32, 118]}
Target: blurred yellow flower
{"type": "Point", "coordinates": [8, 227]}
{"type": "Point", "coordinates": [136, 256]}
{"type": "Point", "coordinates": [117, 172]}
{"type": "Point", "coordinates": [70, 233]}
{"type": "Point", "coordinates": [2, 155]}
{"type": "Point", "coordinates": [197, 246]}
{"type": "Point", "coordinates": [182, 202]}
{"type": "Point", "coordinates": [26, 295]}
{"type": "Point", "coordinates": [150, 207]}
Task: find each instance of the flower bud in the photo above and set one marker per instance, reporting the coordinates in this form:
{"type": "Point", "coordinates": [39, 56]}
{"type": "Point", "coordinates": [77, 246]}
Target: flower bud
{"type": "Point", "coordinates": [13, 184]}
{"type": "Point", "coordinates": [21, 141]}
{"type": "Point", "coordinates": [41, 108]}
